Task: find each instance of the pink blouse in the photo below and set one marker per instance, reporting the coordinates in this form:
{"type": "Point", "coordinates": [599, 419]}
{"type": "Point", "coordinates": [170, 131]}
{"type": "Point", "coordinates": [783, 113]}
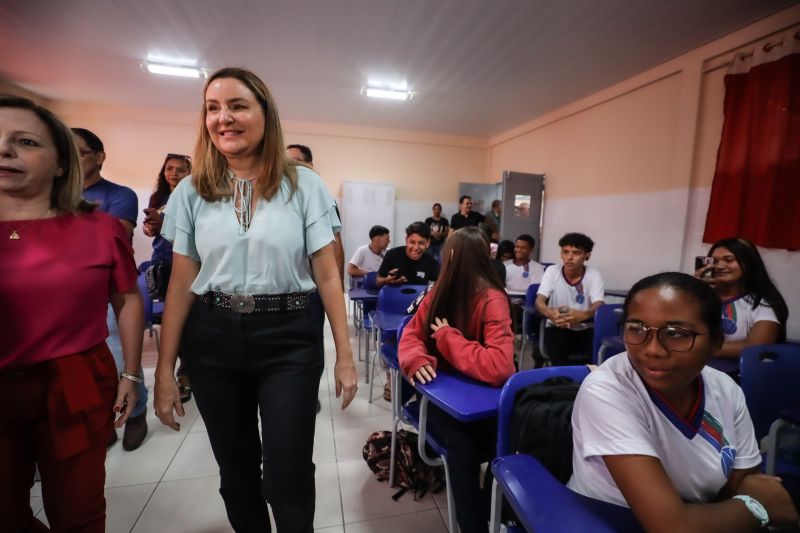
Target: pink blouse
{"type": "Point", "coordinates": [56, 282]}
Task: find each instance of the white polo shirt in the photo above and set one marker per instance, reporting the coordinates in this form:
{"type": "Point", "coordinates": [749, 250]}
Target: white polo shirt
{"type": "Point", "coordinates": [515, 275]}
{"type": "Point", "coordinates": [615, 413]}
{"type": "Point", "coordinates": [365, 259]}
{"type": "Point", "coordinates": [579, 296]}
{"type": "Point", "coordinates": [738, 317]}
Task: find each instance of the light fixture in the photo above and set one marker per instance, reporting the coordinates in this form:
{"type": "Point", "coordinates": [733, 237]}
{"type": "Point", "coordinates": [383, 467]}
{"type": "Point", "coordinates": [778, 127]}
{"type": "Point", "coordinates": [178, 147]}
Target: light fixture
{"type": "Point", "coordinates": [390, 94]}
{"type": "Point", "coordinates": [174, 70]}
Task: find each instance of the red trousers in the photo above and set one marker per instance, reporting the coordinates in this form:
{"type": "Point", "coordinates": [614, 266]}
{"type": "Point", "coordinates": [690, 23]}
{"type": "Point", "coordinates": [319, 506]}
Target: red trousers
{"type": "Point", "coordinates": [58, 414]}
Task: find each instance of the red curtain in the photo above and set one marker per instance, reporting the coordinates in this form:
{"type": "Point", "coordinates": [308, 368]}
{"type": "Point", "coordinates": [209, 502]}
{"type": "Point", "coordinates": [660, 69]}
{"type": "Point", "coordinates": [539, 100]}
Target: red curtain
{"type": "Point", "coordinates": [756, 189]}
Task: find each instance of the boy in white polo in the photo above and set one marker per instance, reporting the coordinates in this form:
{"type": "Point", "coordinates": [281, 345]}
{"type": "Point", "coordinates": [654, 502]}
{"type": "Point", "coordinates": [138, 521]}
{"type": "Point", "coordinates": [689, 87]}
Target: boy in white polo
{"type": "Point", "coordinates": [568, 296]}
{"type": "Point", "coordinates": [522, 271]}
{"type": "Point", "coordinates": [368, 257]}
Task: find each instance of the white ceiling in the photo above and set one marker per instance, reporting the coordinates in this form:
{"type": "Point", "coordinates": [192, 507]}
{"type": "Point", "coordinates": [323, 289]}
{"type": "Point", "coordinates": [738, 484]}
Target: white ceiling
{"type": "Point", "coordinates": [479, 67]}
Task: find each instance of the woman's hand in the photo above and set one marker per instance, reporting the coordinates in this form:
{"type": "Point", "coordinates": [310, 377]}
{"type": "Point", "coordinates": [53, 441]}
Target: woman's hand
{"type": "Point", "coordinates": [437, 324]}
{"type": "Point", "coordinates": [770, 493]}
{"type": "Point", "coordinates": [703, 274]}
{"type": "Point", "coordinates": [167, 399]}
{"type": "Point", "coordinates": [125, 401]}
{"type": "Point", "coordinates": [345, 376]}
{"type": "Point", "coordinates": [425, 374]}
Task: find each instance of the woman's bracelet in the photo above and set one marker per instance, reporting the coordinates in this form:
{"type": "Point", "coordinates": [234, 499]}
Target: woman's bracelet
{"type": "Point", "coordinates": [133, 377]}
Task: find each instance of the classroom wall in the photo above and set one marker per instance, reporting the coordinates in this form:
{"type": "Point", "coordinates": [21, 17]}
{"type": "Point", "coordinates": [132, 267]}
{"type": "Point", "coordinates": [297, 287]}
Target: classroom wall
{"type": "Point", "coordinates": [424, 167]}
{"type": "Point", "coordinates": [632, 165]}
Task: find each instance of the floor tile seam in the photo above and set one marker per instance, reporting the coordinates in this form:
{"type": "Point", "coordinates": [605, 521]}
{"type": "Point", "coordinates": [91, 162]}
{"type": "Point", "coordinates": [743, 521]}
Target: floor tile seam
{"type": "Point", "coordinates": [160, 480]}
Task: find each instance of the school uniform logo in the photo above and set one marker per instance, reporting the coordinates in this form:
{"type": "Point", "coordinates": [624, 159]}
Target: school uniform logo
{"type": "Point", "coordinates": [711, 431]}
{"type": "Point", "coordinates": [729, 318]}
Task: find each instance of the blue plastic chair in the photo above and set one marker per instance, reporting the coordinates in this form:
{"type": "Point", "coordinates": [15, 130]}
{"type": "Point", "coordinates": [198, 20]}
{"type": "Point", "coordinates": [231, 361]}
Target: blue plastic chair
{"type": "Point", "coordinates": [153, 309]}
{"type": "Point", "coordinates": [530, 321]}
{"type": "Point", "coordinates": [540, 501]}
{"type": "Point", "coordinates": [606, 341]}
{"type": "Point", "coordinates": [769, 375]}
{"type": "Point", "coordinates": [392, 300]}
{"type": "Point", "coordinates": [461, 397]}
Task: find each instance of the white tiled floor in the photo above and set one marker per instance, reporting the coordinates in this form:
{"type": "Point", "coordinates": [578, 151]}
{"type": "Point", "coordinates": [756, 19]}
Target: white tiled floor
{"type": "Point", "coordinates": [170, 484]}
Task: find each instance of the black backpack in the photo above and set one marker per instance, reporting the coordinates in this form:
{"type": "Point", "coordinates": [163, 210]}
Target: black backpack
{"type": "Point", "coordinates": [411, 473]}
{"type": "Point", "coordinates": [541, 424]}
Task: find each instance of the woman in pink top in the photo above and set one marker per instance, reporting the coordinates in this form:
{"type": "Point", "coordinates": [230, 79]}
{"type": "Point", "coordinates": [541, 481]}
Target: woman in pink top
{"type": "Point", "coordinates": [61, 265]}
{"type": "Point", "coordinates": [463, 323]}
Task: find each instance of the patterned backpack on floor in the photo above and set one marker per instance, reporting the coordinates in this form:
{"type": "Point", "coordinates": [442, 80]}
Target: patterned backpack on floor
{"type": "Point", "coordinates": [411, 473]}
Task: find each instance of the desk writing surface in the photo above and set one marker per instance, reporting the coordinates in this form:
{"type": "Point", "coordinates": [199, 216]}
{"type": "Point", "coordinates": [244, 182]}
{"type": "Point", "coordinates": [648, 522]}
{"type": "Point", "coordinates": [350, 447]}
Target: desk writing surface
{"type": "Point", "coordinates": [361, 294]}
{"type": "Point", "coordinates": [461, 397]}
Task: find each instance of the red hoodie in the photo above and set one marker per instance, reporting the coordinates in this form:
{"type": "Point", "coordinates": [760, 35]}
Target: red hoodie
{"type": "Point", "coordinates": [488, 358]}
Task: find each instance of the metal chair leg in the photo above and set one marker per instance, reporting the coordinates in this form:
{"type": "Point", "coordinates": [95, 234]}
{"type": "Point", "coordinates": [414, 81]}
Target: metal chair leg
{"type": "Point", "coordinates": [497, 507]}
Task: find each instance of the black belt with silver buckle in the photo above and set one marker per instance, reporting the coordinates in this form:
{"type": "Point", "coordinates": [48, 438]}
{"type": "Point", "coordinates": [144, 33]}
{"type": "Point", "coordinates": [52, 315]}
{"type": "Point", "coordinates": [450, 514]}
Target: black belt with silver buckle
{"type": "Point", "coordinates": [256, 303]}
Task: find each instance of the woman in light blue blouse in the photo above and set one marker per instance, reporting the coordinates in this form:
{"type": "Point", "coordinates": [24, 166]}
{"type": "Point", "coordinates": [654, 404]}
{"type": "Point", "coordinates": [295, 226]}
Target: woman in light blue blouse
{"type": "Point", "coordinates": [243, 229]}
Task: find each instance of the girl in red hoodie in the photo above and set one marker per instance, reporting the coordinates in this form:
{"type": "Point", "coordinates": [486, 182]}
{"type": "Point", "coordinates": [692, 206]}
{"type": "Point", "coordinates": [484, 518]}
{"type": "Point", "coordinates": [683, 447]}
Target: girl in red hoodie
{"type": "Point", "coordinates": [463, 323]}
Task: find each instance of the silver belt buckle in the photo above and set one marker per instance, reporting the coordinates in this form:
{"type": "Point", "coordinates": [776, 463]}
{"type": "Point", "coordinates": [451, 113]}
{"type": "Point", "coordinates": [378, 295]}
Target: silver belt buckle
{"type": "Point", "coordinates": [243, 303]}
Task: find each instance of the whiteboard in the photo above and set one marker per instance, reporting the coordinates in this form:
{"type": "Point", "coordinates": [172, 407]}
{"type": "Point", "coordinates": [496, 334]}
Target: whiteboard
{"type": "Point", "coordinates": [365, 205]}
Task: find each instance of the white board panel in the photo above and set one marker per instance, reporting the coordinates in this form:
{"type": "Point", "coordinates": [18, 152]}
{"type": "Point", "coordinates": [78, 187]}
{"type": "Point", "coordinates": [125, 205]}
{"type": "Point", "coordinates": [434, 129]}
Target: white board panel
{"type": "Point", "coordinates": [364, 206]}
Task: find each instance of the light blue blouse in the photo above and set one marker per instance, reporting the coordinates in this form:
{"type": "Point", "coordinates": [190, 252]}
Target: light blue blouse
{"type": "Point", "coordinates": [272, 257]}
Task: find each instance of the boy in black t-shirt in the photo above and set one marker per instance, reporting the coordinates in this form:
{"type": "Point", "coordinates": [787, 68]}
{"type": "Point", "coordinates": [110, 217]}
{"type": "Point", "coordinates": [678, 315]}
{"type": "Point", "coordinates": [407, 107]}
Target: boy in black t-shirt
{"type": "Point", "coordinates": [409, 263]}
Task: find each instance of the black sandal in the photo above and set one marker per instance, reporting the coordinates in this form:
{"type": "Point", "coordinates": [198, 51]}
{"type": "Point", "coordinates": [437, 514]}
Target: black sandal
{"type": "Point", "coordinates": [185, 391]}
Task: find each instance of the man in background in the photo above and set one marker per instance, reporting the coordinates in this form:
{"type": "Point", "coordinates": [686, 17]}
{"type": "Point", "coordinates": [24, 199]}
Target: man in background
{"type": "Point", "coordinates": [465, 216]}
{"type": "Point", "coordinates": [491, 223]}
{"type": "Point", "coordinates": [122, 203]}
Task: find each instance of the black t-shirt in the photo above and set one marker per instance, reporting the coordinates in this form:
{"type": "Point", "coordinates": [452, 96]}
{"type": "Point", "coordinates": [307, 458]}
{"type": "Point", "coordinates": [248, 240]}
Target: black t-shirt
{"type": "Point", "coordinates": [418, 272]}
{"type": "Point", "coordinates": [459, 221]}
{"type": "Point", "coordinates": [441, 224]}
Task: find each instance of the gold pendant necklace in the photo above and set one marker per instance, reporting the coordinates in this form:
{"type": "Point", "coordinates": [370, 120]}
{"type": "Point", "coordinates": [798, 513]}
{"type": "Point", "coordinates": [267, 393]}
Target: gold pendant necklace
{"type": "Point", "coordinates": [15, 236]}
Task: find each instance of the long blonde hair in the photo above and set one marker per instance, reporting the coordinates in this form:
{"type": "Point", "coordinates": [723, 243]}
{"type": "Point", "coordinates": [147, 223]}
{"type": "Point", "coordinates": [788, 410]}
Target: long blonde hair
{"type": "Point", "coordinates": [67, 193]}
{"type": "Point", "coordinates": [210, 169]}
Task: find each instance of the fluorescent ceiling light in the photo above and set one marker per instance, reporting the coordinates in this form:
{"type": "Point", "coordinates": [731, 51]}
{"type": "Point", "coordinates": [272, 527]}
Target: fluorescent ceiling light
{"type": "Point", "coordinates": [391, 94]}
{"type": "Point", "coordinates": [172, 70]}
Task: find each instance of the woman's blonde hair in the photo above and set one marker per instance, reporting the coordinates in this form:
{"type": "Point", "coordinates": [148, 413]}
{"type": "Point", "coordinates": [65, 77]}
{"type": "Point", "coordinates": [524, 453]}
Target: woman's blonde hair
{"type": "Point", "coordinates": [67, 193]}
{"type": "Point", "coordinates": [210, 169]}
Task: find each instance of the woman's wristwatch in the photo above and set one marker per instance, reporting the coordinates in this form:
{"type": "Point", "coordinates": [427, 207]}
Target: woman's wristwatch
{"type": "Point", "coordinates": [135, 377]}
{"type": "Point", "coordinates": [755, 507]}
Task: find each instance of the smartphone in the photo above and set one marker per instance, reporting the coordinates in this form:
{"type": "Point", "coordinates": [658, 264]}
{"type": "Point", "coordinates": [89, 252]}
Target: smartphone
{"type": "Point", "coordinates": [703, 260]}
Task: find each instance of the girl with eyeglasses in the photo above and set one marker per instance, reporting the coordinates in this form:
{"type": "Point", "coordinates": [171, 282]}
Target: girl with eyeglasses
{"type": "Point", "coordinates": [656, 430]}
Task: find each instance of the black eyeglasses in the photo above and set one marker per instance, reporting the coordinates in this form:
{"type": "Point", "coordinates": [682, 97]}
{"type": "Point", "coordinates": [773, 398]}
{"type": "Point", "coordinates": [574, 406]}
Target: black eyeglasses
{"type": "Point", "coordinates": [672, 338]}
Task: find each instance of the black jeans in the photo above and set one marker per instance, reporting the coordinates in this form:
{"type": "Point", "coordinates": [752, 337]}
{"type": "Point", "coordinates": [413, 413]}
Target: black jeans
{"type": "Point", "coordinates": [469, 444]}
{"type": "Point", "coordinates": [241, 365]}
{"type": "Point", "coordinates": [568, 346]}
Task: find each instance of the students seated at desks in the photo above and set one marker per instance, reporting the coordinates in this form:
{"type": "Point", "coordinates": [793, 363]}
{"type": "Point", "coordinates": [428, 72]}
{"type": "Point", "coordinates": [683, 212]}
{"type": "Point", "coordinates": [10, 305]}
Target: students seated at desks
{"type": "Point", "coordinates": [464, 322]}
{"type": "Point", "coordinates": [753, 310]}
{"type": "Point", "coordinates": [410, 263]}
{"type": "Point", "coordinates": [522, 271]}
{"type": "Point", "coordinates": [657, 430]}
{"type": "Point", "coordinates": [368, 257]}
{"type": "Point", "coordinates": [568, 296]}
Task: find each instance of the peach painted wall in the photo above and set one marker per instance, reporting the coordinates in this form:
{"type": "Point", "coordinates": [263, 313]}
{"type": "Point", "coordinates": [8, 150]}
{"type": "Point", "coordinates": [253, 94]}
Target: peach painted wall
{"type": "Point", "coordinates": [424, 167]}
{"type": "Point", "coordinates": [632, 165]}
